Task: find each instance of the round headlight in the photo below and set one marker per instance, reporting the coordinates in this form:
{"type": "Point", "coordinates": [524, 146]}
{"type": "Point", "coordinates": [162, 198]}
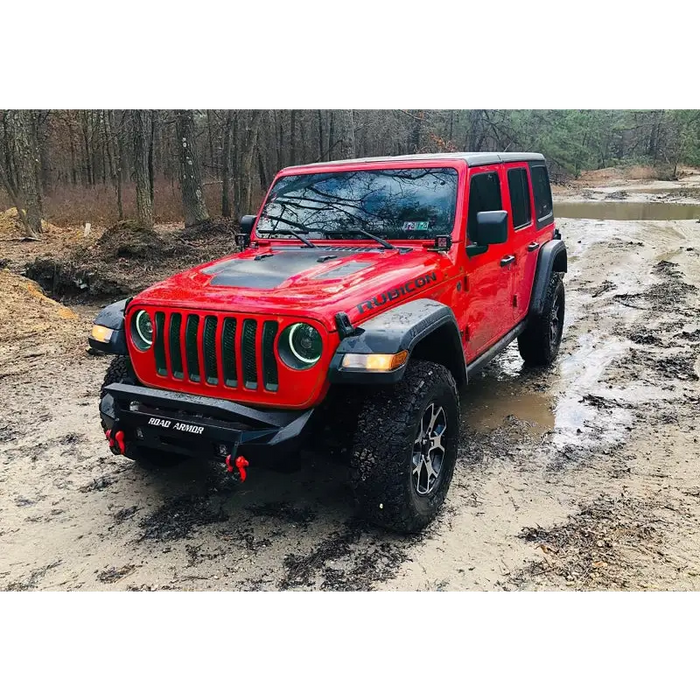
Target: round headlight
{"type": "Point", "coordinates": [142, 334]}
{"type": "Point", "coordinates": [300, 346]}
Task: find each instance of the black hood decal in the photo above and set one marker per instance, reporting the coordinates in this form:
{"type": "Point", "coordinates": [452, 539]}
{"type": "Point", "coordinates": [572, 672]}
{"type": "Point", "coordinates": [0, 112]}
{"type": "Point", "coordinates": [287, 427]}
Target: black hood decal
{"type": "Point", "coordinates": [270, 271]}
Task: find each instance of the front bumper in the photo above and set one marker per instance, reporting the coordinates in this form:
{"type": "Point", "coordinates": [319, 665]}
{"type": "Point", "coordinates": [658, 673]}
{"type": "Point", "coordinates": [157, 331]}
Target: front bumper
{"type": "Point", "coordinates": [200, 426]}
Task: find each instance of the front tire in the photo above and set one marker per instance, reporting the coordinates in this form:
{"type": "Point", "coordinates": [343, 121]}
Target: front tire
{"type": "Point", "coordinates": [539, 342]}
{"type": "Point", "coordinates": [405, 448]}
{"type": "Point", "coordinates": [121, 371]}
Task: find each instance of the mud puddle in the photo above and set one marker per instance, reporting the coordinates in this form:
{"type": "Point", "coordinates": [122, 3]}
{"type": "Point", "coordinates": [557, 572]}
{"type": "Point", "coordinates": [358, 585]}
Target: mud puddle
{"type": "Point", "coordinates": [627, 211]}
{"type": "Point", "coordinates": [507, 390]}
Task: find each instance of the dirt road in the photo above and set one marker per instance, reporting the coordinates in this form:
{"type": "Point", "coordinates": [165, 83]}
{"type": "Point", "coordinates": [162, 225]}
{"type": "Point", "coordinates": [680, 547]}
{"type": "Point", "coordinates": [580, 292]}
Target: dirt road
{"type": "Point", "coordinates": [583, 477]}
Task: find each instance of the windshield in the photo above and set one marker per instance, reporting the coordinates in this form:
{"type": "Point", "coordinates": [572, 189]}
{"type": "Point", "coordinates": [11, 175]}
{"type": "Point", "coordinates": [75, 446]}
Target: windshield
{"type": "Point", "coordinates": [413, 203]}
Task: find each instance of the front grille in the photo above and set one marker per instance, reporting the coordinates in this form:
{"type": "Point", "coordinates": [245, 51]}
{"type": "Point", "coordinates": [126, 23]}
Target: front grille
{"type": "Point", "coordinates": [191, 344]}
{"type": "Point", "coordinates": [228, 352]}
{"type": "Point", "coordinates": [159, 345]}
{"type": "Point", "coordinates": [210, 368]}
{"type": "Point", "coordinates": [216, 350]}
{"type": "Point", "coordinates": [250, 361]}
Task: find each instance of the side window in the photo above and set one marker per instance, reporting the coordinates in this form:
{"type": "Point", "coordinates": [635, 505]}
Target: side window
{"type": "Point", "coordinates": [543, 194]}
{"type": "Point", "coordinates": [519, 190]}
{"type": "Point", "coordinates": [484, 195]}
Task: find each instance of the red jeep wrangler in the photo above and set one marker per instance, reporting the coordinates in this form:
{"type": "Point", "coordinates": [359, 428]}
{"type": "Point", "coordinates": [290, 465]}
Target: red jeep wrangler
{"type": "Point", "coordinates": [389, 279]}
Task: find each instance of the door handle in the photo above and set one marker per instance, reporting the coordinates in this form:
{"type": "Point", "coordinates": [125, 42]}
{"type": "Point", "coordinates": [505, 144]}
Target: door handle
{"type": "Point", "coordinates": [532, 246]}
{"type": "Point", "coordinates": [507, 260]}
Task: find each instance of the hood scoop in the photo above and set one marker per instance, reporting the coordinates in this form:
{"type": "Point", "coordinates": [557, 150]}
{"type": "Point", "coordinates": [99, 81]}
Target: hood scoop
{"type": "Point", "coordinates": [341, 271]}
{"type": "Point", "coordinates": [270, 271]}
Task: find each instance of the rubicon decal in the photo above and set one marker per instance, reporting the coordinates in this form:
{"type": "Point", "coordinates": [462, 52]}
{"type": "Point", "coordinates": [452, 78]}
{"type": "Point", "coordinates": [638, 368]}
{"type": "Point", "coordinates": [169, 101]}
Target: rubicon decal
{"type": "Point", "coordinates": [176, 425]}
{"type": "Point", "coordinates": [396, 292]}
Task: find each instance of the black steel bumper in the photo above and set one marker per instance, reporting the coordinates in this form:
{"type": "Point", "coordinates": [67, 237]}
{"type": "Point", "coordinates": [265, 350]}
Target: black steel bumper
{"type": "Point", "coordinates": [200, 426]}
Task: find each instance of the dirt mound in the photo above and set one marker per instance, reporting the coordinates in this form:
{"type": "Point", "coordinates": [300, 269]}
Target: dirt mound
{"type": "Point", "coordinates": [128, 240]}
{"type": "Point", "coordinates": [10, 225]}
{"type": "Point", "coordinates": [11, 228]}
{"type": "Point", "coordinates": [209, 229]}
{"type": "Point", "coordinates": [31, 325]}
{"type": "Point", "coordinates": [127, 258]}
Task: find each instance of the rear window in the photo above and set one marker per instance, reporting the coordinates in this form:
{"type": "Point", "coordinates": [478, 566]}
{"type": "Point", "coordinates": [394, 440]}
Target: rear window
{"type": "Point", "coordinates": [484, 195]}
{"type": "Point", "coordinates": [543, 194]}
{"type": "Point", "coordinates": [519, 196]}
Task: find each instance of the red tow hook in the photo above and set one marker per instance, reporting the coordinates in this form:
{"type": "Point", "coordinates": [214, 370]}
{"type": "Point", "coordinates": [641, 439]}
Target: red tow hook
{"type": "Point", "coordinates": [116, 441]}
{"type": "Point", "coordinates": [240, 464]}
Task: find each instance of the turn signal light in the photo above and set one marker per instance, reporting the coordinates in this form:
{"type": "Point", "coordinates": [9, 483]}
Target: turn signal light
{"type": "Point", "coordinates": [375, 362]}
{"type": "Point", "coordinates": [101, 334]}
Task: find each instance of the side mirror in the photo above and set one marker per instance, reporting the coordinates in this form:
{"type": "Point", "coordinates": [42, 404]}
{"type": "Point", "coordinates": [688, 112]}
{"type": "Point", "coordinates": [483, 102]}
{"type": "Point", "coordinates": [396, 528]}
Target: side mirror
{"type": "Point", "coordinates": [247, 222]}
{"type": "Point", "coordinates": [491, 227]}
{"type": "Point", "coordinates": [243, 238]}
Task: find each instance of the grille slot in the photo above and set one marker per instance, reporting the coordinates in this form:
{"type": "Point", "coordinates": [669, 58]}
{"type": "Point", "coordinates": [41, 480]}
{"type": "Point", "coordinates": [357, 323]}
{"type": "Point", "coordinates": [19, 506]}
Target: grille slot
{"type": "Point", "coordinates": [228, 352]}
{"type": "Point", "coordinates": [159, 345]}
{"type": "Point", "coordinates": [250, 361]}
{"type": "Point", "coordinates": [175, 348]}
{"type": "Point", "coordinates": [191, 345]}
{"type": "Point", "coordinates": [269, 362]}
{"type": "Point", "coordinates": [211, 371]}
{"type": "Point", "coordinates": [217, 350]}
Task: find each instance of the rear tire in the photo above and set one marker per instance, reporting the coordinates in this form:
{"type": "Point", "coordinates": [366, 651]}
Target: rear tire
{"type": "Point", "coordinates": [539, 342]}
{"type": "Point", "coordinates": [405, 448]}
{"type": "Point", "coordinates": [121, 371]}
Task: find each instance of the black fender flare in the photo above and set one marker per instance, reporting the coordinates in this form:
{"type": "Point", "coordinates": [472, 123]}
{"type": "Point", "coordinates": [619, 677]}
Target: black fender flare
{"type": "Point", "coordinates": [402, 328]}
{"type": "Point", "coordinates": [112, 316]}
{"type": "Point", "coordinates": [552, 258]}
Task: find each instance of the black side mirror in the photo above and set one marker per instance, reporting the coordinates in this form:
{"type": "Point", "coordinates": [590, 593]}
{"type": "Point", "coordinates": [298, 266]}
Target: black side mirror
{"type": "Point", "coordinates": [243, 238]}
{"type": "Point", "coordinates": [491, 227]}
{"type": "Point", "coordinates": [247, 222]}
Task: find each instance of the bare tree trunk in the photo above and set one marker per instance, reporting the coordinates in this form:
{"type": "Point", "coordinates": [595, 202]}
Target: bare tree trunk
{"type": "Point", "coordinates": [293, 137]}
{"type": "Point", "coordinates": [5, 182]}
{"type": "Point", "coordinates": [226, 166]}
{"type": "Point", "coordinates": [212, 158]}
{"type": "Point", "coordinates": [190, 176]}
{"type": "Point", "coordinates": [25, 162]}
{"type": "Point", "coordinates": [249, 144]}
{"type": "Point", "coordinates": [344, 127]}
{"type": "Point", "coordinates": [7, 142]}
{"type": "Point", "coordinates": [142, 148]}
{"type": "Point", "coordinates": [151, 152]}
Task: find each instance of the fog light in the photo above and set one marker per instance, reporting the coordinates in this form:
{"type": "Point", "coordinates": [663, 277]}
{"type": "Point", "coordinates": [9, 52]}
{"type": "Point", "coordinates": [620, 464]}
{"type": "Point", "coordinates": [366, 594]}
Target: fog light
{"type": "Point", "coordinates": [375, 362]}
{"type": "Point", "coordinates": [101, 334]}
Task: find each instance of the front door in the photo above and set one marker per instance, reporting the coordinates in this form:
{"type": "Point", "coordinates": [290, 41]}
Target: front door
{"type": "Point", "coordinates": [489, 312]}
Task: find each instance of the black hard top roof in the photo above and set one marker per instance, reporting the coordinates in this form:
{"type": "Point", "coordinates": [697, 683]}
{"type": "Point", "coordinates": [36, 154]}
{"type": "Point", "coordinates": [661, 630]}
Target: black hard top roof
{"type": "Point", "coordinates": [471, 159]}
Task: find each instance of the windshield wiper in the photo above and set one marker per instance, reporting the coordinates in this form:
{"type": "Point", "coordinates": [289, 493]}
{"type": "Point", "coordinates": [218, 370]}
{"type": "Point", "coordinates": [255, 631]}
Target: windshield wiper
{"type": "Point", "coordinates": [289, 232]}
{"type": "Point", "coordinates": [384, 243]}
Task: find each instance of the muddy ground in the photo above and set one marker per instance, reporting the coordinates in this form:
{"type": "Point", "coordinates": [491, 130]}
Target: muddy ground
{"type": "Point", "coordinates": [582, 477]}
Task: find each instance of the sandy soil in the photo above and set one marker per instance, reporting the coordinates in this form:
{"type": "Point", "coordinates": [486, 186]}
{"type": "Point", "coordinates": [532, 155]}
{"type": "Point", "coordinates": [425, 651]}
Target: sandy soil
{"type": "Point", "coordinates": [581, 477]}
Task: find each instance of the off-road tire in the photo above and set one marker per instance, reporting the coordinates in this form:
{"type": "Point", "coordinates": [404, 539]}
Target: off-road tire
{"type": "Point", "coordinates": [539, 342]}
{"type": "Point", "coordinates": [381, 461]}
{"type": "Point", "coordinates": [120, 370]}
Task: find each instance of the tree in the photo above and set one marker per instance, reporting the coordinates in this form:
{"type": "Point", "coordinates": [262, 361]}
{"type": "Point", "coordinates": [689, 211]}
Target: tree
{"type": "Point", "coordinates": [26, 155]}
{"type": "Point", "coordinates": [142, 148]}
{"type": "Point", "coordinates": [344, 130]}
{"type": "Point", "coordinates": [190, 175]}
{"type": "Point", "coordinates": [226, 165]}
{"type": "Point", "coordinates": [249, 145]}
